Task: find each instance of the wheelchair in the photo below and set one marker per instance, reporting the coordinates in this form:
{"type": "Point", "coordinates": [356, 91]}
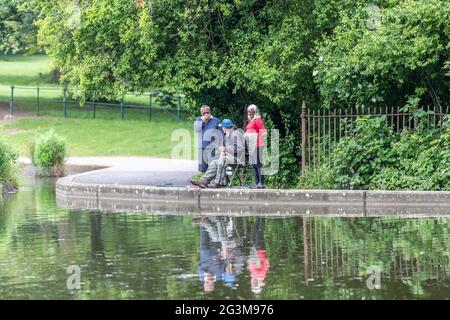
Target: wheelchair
{"type": "Point", "coordinates": [239, 171]}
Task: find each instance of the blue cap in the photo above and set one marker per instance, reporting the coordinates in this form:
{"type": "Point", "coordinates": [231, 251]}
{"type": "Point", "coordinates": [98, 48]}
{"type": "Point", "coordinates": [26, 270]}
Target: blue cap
{"type": "Point", "coordinates": [229, 279]}
{"type": "Point", "coordinates": [226, 123]}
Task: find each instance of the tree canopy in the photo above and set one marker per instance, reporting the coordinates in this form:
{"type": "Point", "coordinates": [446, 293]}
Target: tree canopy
{"type": "Point", "coordinates": [17, 29]}
{"type": "Point", "coordinates": [229, 53]}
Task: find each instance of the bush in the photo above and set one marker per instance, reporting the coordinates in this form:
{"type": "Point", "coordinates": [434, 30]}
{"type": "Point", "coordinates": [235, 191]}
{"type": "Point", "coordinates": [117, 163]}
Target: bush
{"type": "Point", "coordinates": [8, 170]}
{"type": "Point", "coordinates": [375, 157]}
{"type": "Point", "coordinates": [289, 155]}
{"type": "Point", "coordinates": [49, 152]}
{"type": "Point", "coordinates": [364, 153]}
{"type": "Point", "coordinates": [323, 178]}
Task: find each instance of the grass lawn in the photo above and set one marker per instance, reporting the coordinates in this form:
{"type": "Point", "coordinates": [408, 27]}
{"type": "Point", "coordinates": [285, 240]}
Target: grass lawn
{"type": "Point", "coordinates": [25, 70]}
{"type": "Point", "coordinates": [26, 73]}
{"type": "Point", "coordinates": [86, 137]}
{"type": "Point", "coordinates": [106, 135]}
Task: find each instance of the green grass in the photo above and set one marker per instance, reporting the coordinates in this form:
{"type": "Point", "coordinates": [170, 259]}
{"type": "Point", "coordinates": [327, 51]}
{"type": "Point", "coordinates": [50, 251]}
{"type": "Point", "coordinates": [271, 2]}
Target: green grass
{"type": "Point", "coordinates": [25, 70]}
{"type": "Point", "coordinates": [28, 72]}
{"type": "Point", "coordinates": [85, 137]}
{"type": "Point", "coordinates": [106, 135]}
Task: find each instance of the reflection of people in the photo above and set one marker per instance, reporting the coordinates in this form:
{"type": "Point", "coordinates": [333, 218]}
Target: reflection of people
{"type": "Point", "coordinates": [256, 132]}
{"type": "Point", "coordinates": [231, 152]}
{"type": "Point", "coordinates": [202, 125]}
{"type": "Point", "coordinates": [210, 261]}
{"type": "Point", "coordinates": [258, 263]}
{"type": "Point", "coordinates": [221, 258]}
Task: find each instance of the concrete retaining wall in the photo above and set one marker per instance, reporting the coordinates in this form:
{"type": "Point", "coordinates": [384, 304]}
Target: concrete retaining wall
{"type": "Point", "coordinates": [274, 202]}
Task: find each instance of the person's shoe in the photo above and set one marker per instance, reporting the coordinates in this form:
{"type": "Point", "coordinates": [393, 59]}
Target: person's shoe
{"type": "Point", "coordinates": [214, 185]}
{"type": "Point", "coordinates": [260, 186]}
{"type": "Point", "coordinates": [197, 184]}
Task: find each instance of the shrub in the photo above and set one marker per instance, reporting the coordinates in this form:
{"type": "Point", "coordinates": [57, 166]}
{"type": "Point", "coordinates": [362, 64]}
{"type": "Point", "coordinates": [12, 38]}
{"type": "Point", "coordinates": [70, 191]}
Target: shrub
{"type": "Point", "coordinates": [375, 157]}
{"type": "Point", "coordinates": [289, 153]}
{"type": "Point", "coordinates": [49, 152]}
{"type": "Point", "coordinates": [8, 170]}
{"type": "Point", "coordinates": [323, 178]}
{"type": "Point", "coordinates": [364, 153]}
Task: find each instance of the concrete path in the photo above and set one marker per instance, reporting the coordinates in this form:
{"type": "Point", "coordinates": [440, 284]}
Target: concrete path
{"type": "Point", "coordinates": [131, 170]}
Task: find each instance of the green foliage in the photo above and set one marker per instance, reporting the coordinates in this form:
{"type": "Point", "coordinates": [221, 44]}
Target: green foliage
{"type": "Point", "coordinates": [406, 55]}
{"type": "Point", "coordinates": [230, 53]}
{"type": "Point", "coordinates": [322, 178]}
{"type": "Point", "coordinates": [367, 151]}
{"type": "Point", "coordinates": [8, 170]}
{"type": "Point", "coordinates": [18, 34]}
{"type": "Point", "coordinates": [375, 157]}
{"type": "Point", "coordinates": [49, 150]}
{"type": "Point", "coordinates": [423, 162]}
{"type": "Point", "coordinates": [289, 151]}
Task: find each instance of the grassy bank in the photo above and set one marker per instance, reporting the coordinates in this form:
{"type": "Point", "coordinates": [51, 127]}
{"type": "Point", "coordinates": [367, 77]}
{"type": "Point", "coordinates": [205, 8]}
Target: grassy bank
{"type": "Point", "coordinates": [27, 73]}
{"type": "Point", "coordinates": [25, 70]}
{"type": "Point", "coordinates": [86, 137]}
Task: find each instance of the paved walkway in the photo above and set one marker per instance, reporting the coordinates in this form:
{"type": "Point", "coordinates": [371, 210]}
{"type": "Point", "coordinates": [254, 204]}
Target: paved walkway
{"type": "Point", "coordinates": [132, 170]}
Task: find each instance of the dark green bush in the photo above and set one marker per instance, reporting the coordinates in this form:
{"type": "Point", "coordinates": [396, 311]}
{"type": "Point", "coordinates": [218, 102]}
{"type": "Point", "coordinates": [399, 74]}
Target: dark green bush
{"type": "Point", "coordinates": [289, 155]}
{"type": "Point", "coordinates": [373, 156]}
{"type": "Point", "coordinates": [8, 170]}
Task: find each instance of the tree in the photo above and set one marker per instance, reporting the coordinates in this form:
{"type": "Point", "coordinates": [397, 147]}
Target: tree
{"type": "Point", "coordinates": [18, 34]}
{"type": "Point", "coordinates": [273, 53]}
{"type": "Point", "coordinates": [406, 58]}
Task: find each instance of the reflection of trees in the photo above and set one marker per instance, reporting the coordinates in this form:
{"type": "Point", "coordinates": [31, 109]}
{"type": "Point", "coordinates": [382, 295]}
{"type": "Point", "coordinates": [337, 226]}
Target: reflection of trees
{"type": "Point", "coordinates": [158, 257]}
{"type": "Point", "coordinates": [410, 252]}
{"type": "Point", "coordinates": [97, 248]}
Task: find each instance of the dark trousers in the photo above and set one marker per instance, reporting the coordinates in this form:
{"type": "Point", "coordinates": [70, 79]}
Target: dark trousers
{"type": "Point", "coordinates": [257, 167]}
{"type": "Point", "coordinates": [205, 157]}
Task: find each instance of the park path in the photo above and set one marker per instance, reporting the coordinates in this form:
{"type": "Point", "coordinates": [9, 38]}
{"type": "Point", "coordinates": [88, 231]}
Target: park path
{"type": "Point", "coordinates": [131, 170]}
{"type": "Point", "coordinates": [4, 114]}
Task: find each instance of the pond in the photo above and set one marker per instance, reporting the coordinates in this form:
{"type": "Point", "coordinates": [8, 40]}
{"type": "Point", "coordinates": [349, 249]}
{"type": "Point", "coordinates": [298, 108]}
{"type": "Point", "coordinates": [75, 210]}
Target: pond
{"type": "Point", "coordinates": [150, 256]}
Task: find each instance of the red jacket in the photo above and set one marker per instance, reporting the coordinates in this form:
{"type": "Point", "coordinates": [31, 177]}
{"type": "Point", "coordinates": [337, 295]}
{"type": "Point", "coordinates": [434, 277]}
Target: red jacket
{"type": "Point", "coordinates": [260, 271]}
{"type": "Point", "coordinates": [256, 125]}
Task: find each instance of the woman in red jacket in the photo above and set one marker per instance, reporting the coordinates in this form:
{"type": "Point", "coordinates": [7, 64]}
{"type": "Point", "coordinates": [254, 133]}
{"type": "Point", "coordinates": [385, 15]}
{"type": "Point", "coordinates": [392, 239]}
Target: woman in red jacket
{"type": "Point", "coordinates": [256, 131]}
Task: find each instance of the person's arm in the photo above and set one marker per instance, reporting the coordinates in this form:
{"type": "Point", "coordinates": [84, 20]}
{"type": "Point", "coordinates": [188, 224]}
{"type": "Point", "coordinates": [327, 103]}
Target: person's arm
{"type": "Point", "coordinates": [198, 124]}
{"type": "Point", "coordinates": [262, 128]}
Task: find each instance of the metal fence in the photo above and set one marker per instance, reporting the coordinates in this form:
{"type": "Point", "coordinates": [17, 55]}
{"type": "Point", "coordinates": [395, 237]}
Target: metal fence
{"type": "Point", "coordinates": [322, 129]}
{"type": "Point", "coordinates": [61, 102]}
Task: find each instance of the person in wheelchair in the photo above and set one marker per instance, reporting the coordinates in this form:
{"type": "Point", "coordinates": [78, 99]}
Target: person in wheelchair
{"type": "Point", "coordinates": [232, 152]}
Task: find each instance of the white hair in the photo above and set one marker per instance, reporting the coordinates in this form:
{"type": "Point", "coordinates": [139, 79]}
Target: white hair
{"type": "Point", "coordinates": [255, 109]}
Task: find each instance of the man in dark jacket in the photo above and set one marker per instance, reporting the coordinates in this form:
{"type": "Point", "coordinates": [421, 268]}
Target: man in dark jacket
{"type": "Point", "coordinates": [209, 133]}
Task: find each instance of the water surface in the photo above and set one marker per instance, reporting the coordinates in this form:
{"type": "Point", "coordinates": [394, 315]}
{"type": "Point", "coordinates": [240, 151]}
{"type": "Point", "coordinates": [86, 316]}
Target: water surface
{"type": "Point", "coordinates": [149, 256]}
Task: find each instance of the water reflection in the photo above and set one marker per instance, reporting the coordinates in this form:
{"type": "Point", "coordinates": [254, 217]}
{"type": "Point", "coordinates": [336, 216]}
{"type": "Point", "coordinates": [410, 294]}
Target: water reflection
{"type": "Point", "coordinates": [224, 253]}
{"type": "Point", "coordinates": [145, 256]}
{"type": "Point", "coordinates": [258, 263]}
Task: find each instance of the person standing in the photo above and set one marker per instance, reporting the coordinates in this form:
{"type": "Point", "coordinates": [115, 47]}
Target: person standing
{"type": "Point", "coordinates": [256, 132]}
{"type": "Point", "coordinates": [207, 127]}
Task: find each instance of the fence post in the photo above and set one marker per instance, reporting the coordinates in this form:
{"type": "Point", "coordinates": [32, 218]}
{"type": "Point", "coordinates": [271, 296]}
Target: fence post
{"type": "Point", "coordinates": [122, 111]}
{"type": "Point", "coordinates": [303, 137]}
{"type": "Point", "coordinates": [38, 101]}
{"type": "Point", "coordinates": [11, 101]}
{"type": "Point", "coordinates": [65, 102]}
{"type": "Point", "coordinates": [94, 106]}
{"type": "Point", "coordinates": [150, 107]}
{"type": "Point", "coordinates": [179, 108]}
